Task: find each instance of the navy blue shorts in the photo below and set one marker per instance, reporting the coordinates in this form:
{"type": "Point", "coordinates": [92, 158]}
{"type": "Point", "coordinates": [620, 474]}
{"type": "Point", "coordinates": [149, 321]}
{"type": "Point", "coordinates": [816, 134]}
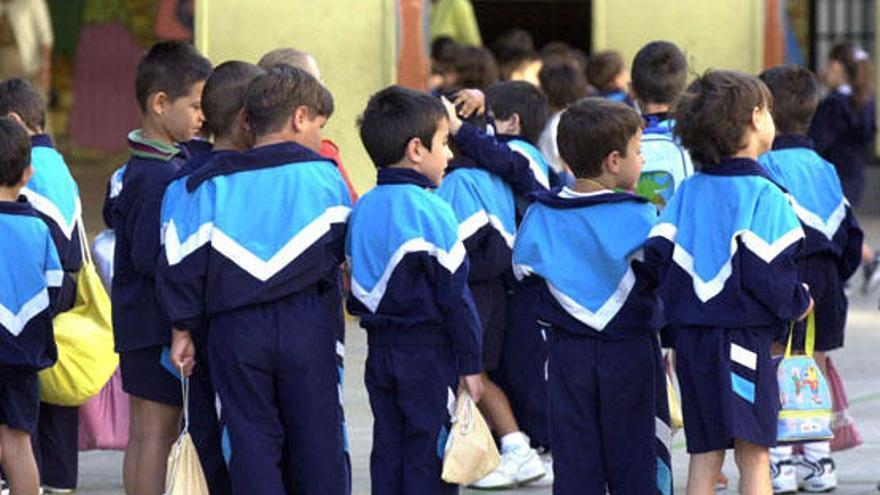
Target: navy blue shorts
{"type": "Point", "coordinates": [728, 386]}
{"type": "Point", "coordinates": [491, 300]}
{"type": "Point", "coordinates": [821, 274]}
{"type": "Point", "coordinates": [145, 377]}
{"type": "Point", "coordinates": [19, 399]}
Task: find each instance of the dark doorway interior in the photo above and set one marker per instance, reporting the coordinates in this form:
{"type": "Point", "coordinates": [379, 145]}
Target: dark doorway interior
{"type": "Point", "coordinates": [547, 20]}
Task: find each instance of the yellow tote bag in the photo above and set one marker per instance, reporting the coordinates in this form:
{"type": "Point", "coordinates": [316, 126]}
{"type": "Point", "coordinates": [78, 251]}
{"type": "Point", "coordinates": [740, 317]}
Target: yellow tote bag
{"type": "Point", "coordinates": [184, 475]}
{"type": "Point", "coordinates": [84, 337]}
{"type": "Point", "coordinates": [471, 452]}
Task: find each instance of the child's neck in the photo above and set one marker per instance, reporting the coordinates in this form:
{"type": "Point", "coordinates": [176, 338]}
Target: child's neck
{"type": "Point", "coordinates": [594, 184]}
{"type": "Point", "coordinates": [154, 131]}
{"type": "Point", "coordinates": [226, 143]}
{"type": "Point", "coordinates": [652, 108]}
{"type": "Point", "coordinates": [282, 136]}
{"type": "Point", "coordinates": [9, 194]}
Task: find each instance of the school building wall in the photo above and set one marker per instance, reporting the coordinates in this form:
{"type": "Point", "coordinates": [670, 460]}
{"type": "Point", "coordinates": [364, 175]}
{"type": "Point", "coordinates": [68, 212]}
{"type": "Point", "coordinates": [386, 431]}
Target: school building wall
{"type": "Point", "coordinates": [714, 34]}
{"type": "Point", "coordinates": [354, 42]}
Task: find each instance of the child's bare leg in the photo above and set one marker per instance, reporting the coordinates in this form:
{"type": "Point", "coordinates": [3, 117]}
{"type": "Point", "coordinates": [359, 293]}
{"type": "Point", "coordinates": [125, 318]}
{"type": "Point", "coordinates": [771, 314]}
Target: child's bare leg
{"type": "Point", "coordinates": [867, 253]}
{"type": "Point", "coordinates": [152, 438]}
{"type": "Point", "coordinates": [821, 358]}
{"type": "Point", "coordinates": [753, 462]}
{"type": "Point", "coordinates": [495, 406]}
{"type": "Point", "coordinates": [130, 461]}
{"type": "Point", "coordinates": [18, 462]}
{"type": "Point", "coordinates": [703, 472]}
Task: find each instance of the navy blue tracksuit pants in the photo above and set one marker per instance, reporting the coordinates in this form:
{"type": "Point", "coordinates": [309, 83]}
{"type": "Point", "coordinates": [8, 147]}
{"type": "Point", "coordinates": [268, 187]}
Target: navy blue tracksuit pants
{"type": "Point", "coordinates": [412, 391]}
{"type": "Point", "coordinates": [275, 369]}
{"type": "Point", "coordinates": [609, 416]}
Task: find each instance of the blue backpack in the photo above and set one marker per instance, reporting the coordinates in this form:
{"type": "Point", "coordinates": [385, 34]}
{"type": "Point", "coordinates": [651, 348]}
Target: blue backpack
{"type": "Point", "coordinates": [806, 411]}
{"type": "Point", "coordinates": [667, 164]}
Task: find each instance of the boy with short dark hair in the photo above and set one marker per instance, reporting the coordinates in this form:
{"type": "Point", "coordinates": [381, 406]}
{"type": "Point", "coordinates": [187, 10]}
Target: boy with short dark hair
{"type": "Point", "coordinates": [409, 287]}
{"type": "Point", "coordinates": [659, 75]}
{"type": "Point", "coordinates": [521, 113]}
{"type": "Point", "coordinates": [168, 87]}
{"type": "Point", "coordinates": [254, 257]}
{"type": "Point", "coordinates": [222, 104]}
{"type": "Point", "coordinates": [582, 247]}
{"type": "Point", "coordinates": [724, 251]}
{"type": "Point", "coordinates": [55, 196]}
{"type": "Point", "coordinates": [607, 73]}
{"type": "Point", "coordinates": [29, 283]}
{"type": "Point", "coordinates": [831, 254]}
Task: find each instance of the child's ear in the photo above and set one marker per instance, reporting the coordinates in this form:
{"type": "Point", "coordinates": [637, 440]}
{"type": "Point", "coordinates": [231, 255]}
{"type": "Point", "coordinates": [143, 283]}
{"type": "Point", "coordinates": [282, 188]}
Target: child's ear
{"type": "Point", "coordinates": [156, 102]}
{"type": "Point", "coordinates": [516, 122]}
{"type": "Point", "coordinates": [414, 150]}
{"type": "Point", "coordinates": [300, 116]}
{"type": "Point", "coordinates": [27, 174]}
{"type": "Point", "coordinates": [611, 163]}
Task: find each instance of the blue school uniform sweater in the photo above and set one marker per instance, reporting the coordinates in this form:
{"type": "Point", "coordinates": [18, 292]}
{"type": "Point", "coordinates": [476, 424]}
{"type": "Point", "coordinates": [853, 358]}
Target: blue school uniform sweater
{"type": "Point", "coordinates": [30, 277]}
{"type": "Point", "coordinates": [587, 249]}
{"type": "Point", "coordinates": [133, 204]}
{"type": "Point", "coordinates": [829, 224]}
{"type": "Point", "coordinates": [410, 269]}
{"type": "Point", "coordinates": [842, 135]}
{"type": "Point", "coordinates": [725, 250]}
{"type": "Point", "coordinates": [251, 228]}
{"type": "Point", "coordinates": [517, 162]}
{"type": "Point", "coordinates": [484, 208]}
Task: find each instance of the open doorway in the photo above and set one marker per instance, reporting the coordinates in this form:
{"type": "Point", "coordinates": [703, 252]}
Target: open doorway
{"type": "Point", "coordinates": [568, 21]}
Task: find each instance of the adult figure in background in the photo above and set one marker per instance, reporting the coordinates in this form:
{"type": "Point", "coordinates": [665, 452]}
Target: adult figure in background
{"type": "Point", "coordinates": [26, 42]}
{"type": "Point", "coordinates": [455, 19]}
{"type": "Point", "coordinates": [843, 130]}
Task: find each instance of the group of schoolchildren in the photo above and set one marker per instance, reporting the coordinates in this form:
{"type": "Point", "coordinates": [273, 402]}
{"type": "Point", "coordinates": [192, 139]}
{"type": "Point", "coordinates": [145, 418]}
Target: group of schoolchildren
{"type": "Point", "coordinates": [539, 282]}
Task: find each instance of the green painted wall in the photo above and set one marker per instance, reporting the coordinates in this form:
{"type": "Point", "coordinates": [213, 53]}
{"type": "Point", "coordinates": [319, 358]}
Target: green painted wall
{"type": "Point", "coordinates": [717, 34]}
{"type": "Point", "coordinates": [354, 42]}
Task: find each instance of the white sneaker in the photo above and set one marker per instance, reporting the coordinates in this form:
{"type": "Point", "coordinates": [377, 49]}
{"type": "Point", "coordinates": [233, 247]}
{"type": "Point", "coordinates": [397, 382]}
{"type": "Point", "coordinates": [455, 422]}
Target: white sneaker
{"type": "Point", "coordinates": [547, 479]}
{"type": "Point", "coordinates": [4, 487]}
{"type": "Point", "coordinates": [783, 476]}
{"type": "Point", "coordinates": [519, 466]}
{"type": "Point", "coordinates": [816, 476]}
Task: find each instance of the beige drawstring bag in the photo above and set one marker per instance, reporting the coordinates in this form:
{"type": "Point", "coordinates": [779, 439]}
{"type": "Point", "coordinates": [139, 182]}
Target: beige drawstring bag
{"type": "Point", "coordinates": [471, 452]}
{"type": "Point", "coordinates": [184, 475]}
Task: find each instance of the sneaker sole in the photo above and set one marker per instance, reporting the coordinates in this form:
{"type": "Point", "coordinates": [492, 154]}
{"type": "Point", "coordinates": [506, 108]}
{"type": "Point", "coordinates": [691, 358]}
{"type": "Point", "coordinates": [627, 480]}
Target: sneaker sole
{"type": "Point", "coordinates": [493, 488]}
{"type": "Point", "coordinates": [531, 480]}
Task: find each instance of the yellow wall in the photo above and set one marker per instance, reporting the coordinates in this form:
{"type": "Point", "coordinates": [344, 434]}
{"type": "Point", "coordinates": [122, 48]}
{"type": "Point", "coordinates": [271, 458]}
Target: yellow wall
{"type": "Point", "coordinates": [354, 42]}
{"type": "Point", "coordinates": [717, 34]}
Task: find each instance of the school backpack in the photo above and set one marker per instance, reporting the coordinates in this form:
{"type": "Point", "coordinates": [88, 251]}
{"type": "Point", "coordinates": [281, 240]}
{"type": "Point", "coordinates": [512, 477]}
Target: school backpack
{"type": "Point", "coordinates": [806, 411]}
{"type": "Point", "coordinates": [667, 163]}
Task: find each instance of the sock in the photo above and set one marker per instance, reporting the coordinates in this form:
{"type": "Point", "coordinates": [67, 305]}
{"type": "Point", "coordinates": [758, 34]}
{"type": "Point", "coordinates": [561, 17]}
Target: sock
{"type": "Point", "coordinates": [513, 441]}
{"type": "Point", "coordinates": [778, 454]}
{"type": "Point", "coordinates": [816, 451]}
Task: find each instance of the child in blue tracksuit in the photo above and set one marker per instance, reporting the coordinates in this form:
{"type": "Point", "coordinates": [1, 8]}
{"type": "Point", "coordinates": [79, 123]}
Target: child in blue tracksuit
{"type": "Point", "coordinates": [409, 287]}
{"type": "Point", "coordinates": [55, 196]}
{"type": "Point", "coordinates": [168, 85]}
{"type": "Point", "coordinates": [222, 103]}
{"type": "Point", "coordinates": [659, 74]}
{"type": "Point", "coordinates": [485, 207]}
{"type": "Point", "coordinates": [582, 248]}
{"type": "Point", "coordinates": [724, 251]}
{"type": "Point", "coordinates": [30, 278]}
{"type": "Point", "coordinates": [831, 253]}
{"type": "Point", "coordinates": [252, 253]}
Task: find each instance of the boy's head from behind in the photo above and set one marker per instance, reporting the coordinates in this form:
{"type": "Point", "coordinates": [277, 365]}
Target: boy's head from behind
{"type": "Point", "coordinates": [291, 56]}
{"type": "Point", "coordinates": [287, 100]}
{"type": "Point", "coordinates": [404, 128]}
{"type": "Point", "coordinates": [724, 114]}
{"type": "Point", "coordinates": [21, 101]}
{"type": "Point", "coordinates": [599, 138]}
{"type": "Point", "coordinates": [607, 72]}
{"type": "Point", "coordinates": [562, 82]}
{"type": "Point", "coordinates": [796, 95]}
{"type": "Point", "coordinates": [659, 73]}
{"type": "Point", "coordinates": [517, 58]}
{"type": "Point", "coordinates": [474, 67]}
{"type": "Point", "coordinates": [223, 101]}
{"type": "Point", "coordinates": [520, 109]}
{"type": "Point", "coordinates": [15, 154]}
{"type": "Point", "coordinates": [168, 86]}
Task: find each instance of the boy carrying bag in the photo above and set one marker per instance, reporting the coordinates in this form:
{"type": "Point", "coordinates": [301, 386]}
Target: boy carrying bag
{"type": "Point", "coordinates": [471, 452]}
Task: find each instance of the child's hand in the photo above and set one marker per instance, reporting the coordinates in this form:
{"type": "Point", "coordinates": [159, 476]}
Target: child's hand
{"type": "Point", "coordinates": [468, 101]}
{"type": "Point", "coordinates": [454, 121]}
{"type": "Point", "coordinates": [183, 351]}
{"type": "Point", "coordinates": [474, 385]}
